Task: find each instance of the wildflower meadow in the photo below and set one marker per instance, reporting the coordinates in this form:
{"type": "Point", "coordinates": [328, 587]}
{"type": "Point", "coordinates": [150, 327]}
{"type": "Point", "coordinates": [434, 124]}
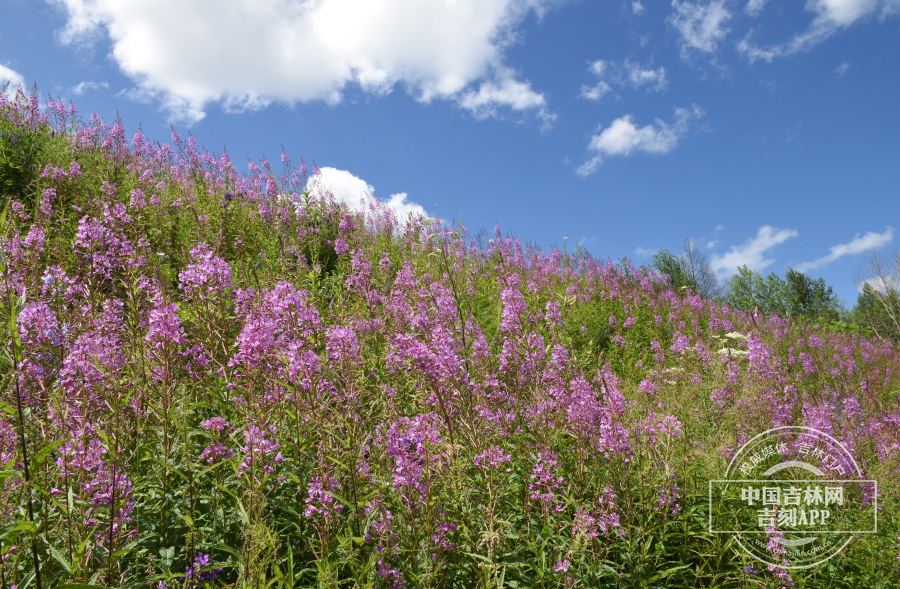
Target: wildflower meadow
{"type": "Point", "coordinates": [217, 378]}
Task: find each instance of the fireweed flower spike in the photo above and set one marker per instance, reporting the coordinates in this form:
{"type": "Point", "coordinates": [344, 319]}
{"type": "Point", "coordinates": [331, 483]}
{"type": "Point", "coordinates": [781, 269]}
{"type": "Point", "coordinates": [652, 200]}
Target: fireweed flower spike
{"type": "Point", "coordinates": [256, 373]}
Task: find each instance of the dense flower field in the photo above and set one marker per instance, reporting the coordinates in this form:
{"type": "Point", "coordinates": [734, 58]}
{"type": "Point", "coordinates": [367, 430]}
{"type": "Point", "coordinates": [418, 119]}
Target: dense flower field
{"type": "Point", "coordinates": [214, 378]}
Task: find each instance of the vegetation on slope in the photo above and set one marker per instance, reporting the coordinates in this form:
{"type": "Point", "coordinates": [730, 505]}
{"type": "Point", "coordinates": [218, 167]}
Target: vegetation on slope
{"type": "Point", "coordinates": [214, 378]}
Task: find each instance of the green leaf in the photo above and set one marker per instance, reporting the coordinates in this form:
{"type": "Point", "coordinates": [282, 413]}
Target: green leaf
{"type": "Point", "coordinates": [17, 527]}
{"type": "Point", "coordinates": [669, 572]}
{"type": "Point", "coordinates": [60, 558]}
{"type": "Point", "coordinates": [41, 456]}
{"type": "Point", "coordinates": [187, 519]}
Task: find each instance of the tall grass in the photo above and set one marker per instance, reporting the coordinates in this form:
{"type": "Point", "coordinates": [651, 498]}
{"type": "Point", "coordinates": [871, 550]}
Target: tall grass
{"type": "Point", "coordinates": [214, 378]}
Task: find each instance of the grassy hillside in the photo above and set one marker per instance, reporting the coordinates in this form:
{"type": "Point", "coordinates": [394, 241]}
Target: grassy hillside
{"type": "Point", "coordinates": [212, 378]}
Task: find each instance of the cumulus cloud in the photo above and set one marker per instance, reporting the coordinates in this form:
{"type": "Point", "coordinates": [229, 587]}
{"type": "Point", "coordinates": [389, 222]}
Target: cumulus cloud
{"type": "Point", "coordinates": [752, 252]}
{"type": "Point", "coordinates": [831, 16]}
{"type": "Point", "coordinates": [623, 137]}
{"type": "Point", "coordinates": [85, 86]}
{"type": "Point", "coordinates": [628, 73]}
{"type": "Point", "coordinates": [357, 193]}
{"type": "Point", "coordinates": [860, 244]}
{"type": "Point", "coordinates": [637, 7]}
{"type": "Point", "coordinates": [14, 78]}
{"type": "Point", "coordinates": [245, 55]}
{"type": "Point", "coordinates": [701, 26]}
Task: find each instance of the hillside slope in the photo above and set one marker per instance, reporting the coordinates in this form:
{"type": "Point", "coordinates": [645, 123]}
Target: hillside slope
{"type": "Point", "coordinates": [215, 378]}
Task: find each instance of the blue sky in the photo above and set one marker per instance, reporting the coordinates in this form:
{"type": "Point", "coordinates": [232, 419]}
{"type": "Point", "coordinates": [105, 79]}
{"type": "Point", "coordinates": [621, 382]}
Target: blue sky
{"type": "Point", "coordinates": [766, 131]}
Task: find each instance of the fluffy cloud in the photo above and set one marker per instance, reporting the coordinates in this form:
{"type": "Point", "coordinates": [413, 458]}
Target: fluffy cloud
{"type": "Point", "coordinates": [14, 78]}
{"type": "Point", "coordinates": [623, 137]}
{"type": "Point", "coordinates": [629, 73]}
{"type": "Point", "coordinates": [702, 26]}
{"type": "Point", "coordinates": [637, 7]}
{"type": "Point", "coordinates": [244, 55]}
{"type": "Point", "coordinates": [869, 241]}
{"type": "Point", "coordinates": [831, 16]}
{"type": "Point", "coordinates": [357, 193]}
{"type": "Point", "coordinates": [752, 252]}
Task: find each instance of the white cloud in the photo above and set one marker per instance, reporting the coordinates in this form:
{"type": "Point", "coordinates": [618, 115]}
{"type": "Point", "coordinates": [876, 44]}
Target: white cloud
{"type": "Point", "coordinates": [595, 92]}
{"type": "Point", "coordinates": [188, 54]}
{"type": "Point", "coordinates": [831, 16]}
{"type": "Point", "coordinates": [14, 78]}
{"type": "Point", "coordinates": [645, 252]}
{"type": "Point", "coordinates": [702, 26]}
{"type": "Point", "coordinates": [623, 137]}
{"type": "Point", "coordinates": [637, 7]}
{"type": "Point", "coordinates": [629, 73]}
{"type": "Point", "coordinates": [752, 252]}
{"type": "Point", "coordinates": [508, 92]}
{"type": "Point", "coordinates": [754, 7]}
{"type": "Point", "coordinates": [357, 193]}
{"type": "Point", "coordinates": [842, 69]}
{"type": "Point", "coordinates": [638, 76]}
{"type": "Point", "coordinates": [882, 284]}
{"type": "Point", "coordinates": [85, 86]}
{"type": "Point", "coordinates": [869, 241]}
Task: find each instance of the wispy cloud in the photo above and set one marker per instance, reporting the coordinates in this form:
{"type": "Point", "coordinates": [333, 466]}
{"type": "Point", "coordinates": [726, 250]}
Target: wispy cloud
{"type": "Point", "coordinates": [288, 51]}
{"type": "Point", "coordinates": [637, 7]}
{"type": "Point", "coordinates": [831, 16]}
{"type": "Point", "coordinates": [860, 244]}
{"type": "Point", "coordinates": [628, 73]}
{"type": "Point", "coordinates": [842, 69]}
{"type": "Point", "coordinates": [623, 137]}
{"type": "Point", "coordinates": [85, 86]}
{"type": "Point", "coordinates": [644, 252]}
{"type": "Point", "coordinates": [882, 284]}
{"type": "Point", "coordinates": [754, 7]}
{"type": "Point", "coordinates": [701, 26]}
{"type": "Point", "coordinates": [752, 252]}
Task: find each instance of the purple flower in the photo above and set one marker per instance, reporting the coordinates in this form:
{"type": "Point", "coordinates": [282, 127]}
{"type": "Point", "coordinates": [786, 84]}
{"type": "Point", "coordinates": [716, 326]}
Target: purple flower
{"type": "Point", "coordinates": [194, 575]}
{"type": "Point", "coordinates": [259, 451]}
{"type": "Point", "coordinates": [319, 502]}
{"type": "Point", "coordinates": [207, 275]}
{"type": "Point", "coordinates": [215, 424]}
{"type": "Point", "coordinates": [492, 458]}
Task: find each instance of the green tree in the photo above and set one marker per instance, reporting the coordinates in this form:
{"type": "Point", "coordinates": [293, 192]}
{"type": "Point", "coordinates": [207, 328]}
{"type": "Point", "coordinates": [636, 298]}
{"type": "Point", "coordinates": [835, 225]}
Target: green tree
{"type": "Point", "coordinates": [690, 270]}
{"type": "Point", "coordinates": [665, 262]}
{"type": "Point", "coordinates": [878, 304]}
{"type": "Point", "coordinates": [796, 295]}
{"type": "Point", "coordinates": [810, 298]}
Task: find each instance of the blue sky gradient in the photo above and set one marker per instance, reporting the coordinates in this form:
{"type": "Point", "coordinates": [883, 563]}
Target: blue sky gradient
{"type": "Point", "coordinates": [768, 132]}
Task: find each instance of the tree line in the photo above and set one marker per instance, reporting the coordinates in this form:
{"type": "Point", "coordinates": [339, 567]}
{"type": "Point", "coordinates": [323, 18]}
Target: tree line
{"type": "Point", "coordinates": [796, 294]}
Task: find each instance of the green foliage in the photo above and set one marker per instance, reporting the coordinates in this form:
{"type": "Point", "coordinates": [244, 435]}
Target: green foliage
{"type": "Point", "coordinates": [602, 329]}
{"type": "Point", "coordinates": [665, 262]}
{"type": "Point", "coordinates": [796, 295]}
{"type": "Point", "coordinates": [877, 312]}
